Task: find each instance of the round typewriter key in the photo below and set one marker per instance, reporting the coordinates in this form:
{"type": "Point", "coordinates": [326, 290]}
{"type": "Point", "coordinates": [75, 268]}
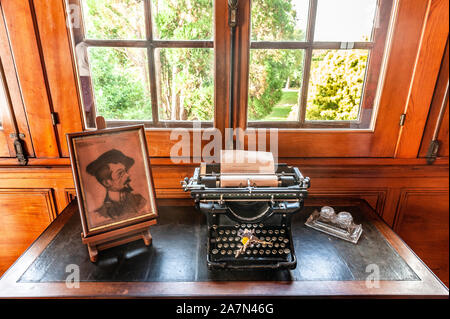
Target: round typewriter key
{"type": "Point", "coordinates": [285, 240]}
{"type": "Point", "coordinates": [254, 225]}
{"type": "Point", "coordinates": [280, 238]}
{"type": "Point", "coordinates": [219, 246]}
{"type": "Point", "coordinates": [276, 231]}
{"type": "Point", "coordinates": [274, 252]}
{"type": "Point", "coordinates": [262, 238]}
{"type": "Point", "coordinates": [214, 227]}
{"type": "Point", "coordinates": [214, 251]}
{"type": "Point", "coordinates": [287, 251]}
{"type": "Point", "coordinates": [268, 252]}
{"type": "Point", "coordinates": [218, 239]}
{"type": "Point", "coordinates": [263, 245]}
{"type": "Point", "coordinates": [233, 232]}
{"type": "Point", "coordinates": [280, 251]}
{"type": "Point", "coordinates": [282, 231]}
{"type": "Point", "coordinates": [270, 231]}
{"type": "Point", "coordinates": [267, 238]}
{"type": "Point", "coordinates": [282, 245]}
{"type": "Point", "coordinates": [242, 225]}
{"type": "Point", "coordinates": [252, 245]}
{"type": "Point", "coordinates": [227, 232]}
{"type": "Point", "coordinates": [232, 245]}
{"type": "Point", "coordinates": [229, 252]}
{"type": "Point", "coordinates": [230, 238]}
{"type": "Point", "coordinates": [261, 251]}
{"type": "Point", "coordinates": [277, 245]}
{"type": "Point", "coordinates": [255, 251]}
{"type": "Point", "coordinates": [248, 252]}
{"type": "Point", "coordinates": [270, 245]}
{"type": "Point", "coordinates": [239, 245]}
{"type": "Point", "coordinates": [258, 231]}
{"type": "Point", "coordinates": [223, 252]}
{"type": "Point", "coordinates": [221, 232]}
{"type": "Point", "coordinates": [236, 226]}
{"type": "Point", "coordinates": [226, 245]}
{"type": "Point", "coordinates": [237, 239]}
{"type": "Point", "coordinates": [264, 231]}
{"type": "Point", "coordinates": [249, 225]}
{"type": "Point", "coordinates": [274, 238]}
{"type": "Point", "coordinates": [261, 225]}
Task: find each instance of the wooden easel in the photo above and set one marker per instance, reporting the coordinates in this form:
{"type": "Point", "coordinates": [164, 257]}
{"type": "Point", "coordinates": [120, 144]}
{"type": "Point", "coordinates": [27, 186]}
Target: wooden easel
{"type": "Point", "coordinates": [118, 236]}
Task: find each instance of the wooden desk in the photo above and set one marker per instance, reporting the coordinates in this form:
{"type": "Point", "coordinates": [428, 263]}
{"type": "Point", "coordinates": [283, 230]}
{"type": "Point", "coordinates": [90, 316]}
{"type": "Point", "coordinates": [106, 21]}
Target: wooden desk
{"type": "Point", "coordinates": [175, 264]}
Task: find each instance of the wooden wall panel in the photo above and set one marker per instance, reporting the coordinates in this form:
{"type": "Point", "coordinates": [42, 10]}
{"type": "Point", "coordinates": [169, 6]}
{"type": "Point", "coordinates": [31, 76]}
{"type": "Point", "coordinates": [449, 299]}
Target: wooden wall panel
{"type": "Point", "coordinates": [24, 214]}
{"type": "Point", "coordinates": [422, 222]}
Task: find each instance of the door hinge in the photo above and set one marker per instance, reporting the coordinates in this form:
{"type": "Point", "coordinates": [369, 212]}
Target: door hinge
{"type": "Point", "coordinates": [432, 151]}
{"type": "Point", "coordinates": [19, 148]}
{"type": "Point", "coordinates": [402, 119]}
{"type": "Point", "coordinates": [55, 118]}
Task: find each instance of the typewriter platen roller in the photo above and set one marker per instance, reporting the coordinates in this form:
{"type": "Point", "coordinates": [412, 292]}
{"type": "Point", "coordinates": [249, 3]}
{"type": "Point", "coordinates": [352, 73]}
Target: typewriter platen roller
{"type": "Point", "coordinates": [262, 204]}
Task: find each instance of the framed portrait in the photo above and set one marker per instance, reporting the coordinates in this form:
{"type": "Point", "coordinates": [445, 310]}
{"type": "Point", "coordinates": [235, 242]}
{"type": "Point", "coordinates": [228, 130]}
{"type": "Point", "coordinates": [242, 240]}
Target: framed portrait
{"type": "Point", "coordinates": [113, 178]}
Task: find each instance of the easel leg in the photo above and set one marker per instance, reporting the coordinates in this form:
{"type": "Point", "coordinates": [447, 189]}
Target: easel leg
{"type": "Point", "coordinates": [147, 237]}
{"type": "Point", "coordinates": [93, 252]}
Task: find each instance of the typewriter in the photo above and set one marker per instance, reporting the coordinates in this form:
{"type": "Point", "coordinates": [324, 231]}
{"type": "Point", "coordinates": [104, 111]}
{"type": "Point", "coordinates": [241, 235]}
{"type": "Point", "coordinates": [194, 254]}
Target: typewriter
{"type": "Point", "coordinates": [248, 215]}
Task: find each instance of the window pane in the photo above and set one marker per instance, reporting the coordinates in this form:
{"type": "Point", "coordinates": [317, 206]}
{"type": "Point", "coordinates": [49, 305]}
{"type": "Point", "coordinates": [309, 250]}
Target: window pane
{"type": "Point", "coordinates": [121, 83]}
{"type": "Point", "coordinates": [186, 84]}
{"type": "Point", "coordinates": [182, 19]}
{"type": "Point", "coordinates": [345, 20]}
{"type": "Point", "coordinates": [336, 84]}
{"type": "Point", "coordinates": [275, 79]}
{"type": "Point", "coordinates": [279, 20]}
{"type": "Point", "coordinates": [118, 19]}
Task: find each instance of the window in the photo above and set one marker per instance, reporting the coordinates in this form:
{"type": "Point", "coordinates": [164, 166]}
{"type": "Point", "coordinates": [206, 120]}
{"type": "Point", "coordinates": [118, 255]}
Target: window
{"type": "Point", "coordinates": [315, 63]}
{"type": "Point", "coordinates": [145, 61]}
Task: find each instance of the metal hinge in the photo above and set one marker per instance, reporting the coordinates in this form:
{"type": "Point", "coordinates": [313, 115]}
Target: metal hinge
{"type": "Point", "coordinates": [55, 118]}
{"type": "Point", "coordinates": [432, 151]}
{"type": "Point", "coordinates": [402, 119]}
{"type": "Point", "coordinates": [19, 148]}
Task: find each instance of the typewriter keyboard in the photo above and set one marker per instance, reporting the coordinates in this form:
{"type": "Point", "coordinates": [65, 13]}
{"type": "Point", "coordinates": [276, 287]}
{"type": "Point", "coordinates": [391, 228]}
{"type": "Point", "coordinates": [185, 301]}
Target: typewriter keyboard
{"type": "Point", "coordinates": [224, 243]}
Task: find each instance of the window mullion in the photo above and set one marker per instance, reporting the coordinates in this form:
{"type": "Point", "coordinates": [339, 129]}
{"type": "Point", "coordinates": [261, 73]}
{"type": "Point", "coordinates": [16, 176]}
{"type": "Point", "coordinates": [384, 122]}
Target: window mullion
{"type": "Point", "coordinates": [151, 61]}
{"type": "Point", "coordinates": [307, 61]}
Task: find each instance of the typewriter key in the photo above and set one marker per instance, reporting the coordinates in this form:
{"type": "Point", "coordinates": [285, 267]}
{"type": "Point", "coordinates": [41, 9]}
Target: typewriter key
{"type": "Point", "coordinates": [227, 232]}
{"type": "Point", "coordinates": [248, 252]}
{"type": "Point", "coordinates": [261, 251]}
{"type": "Point", "coordinates": [264, 231]}
{"type": "Point", "coordinates": [268, 252]}
{"type": "Point", "coordinates": [267, 238]}
{"type": "Point", "coordinates": [258, 245]}
{"type": "Point", "coordinates": [230, 238]}
{"type": "Point", "coordinates": [221, 232]}
{"type": "Point", "coordinates": [239, 245]}
{"type": "Point", "coordinates": [226, 245]}
{"type": "Point", "coordinates": [232, 245]}
{"type": "Point", "coordinates": [255, 251]}
{"type": "Point", "coordinates": [237, 239]}
{"type": "Point", "coordinates": [263, 245]}
{"type": "Point", "coordinates": [242, 225]}
{"type": "Point", "coordinates": [270, 231]}
{"type": "Point", "coordinates": [282, 245]}
{"type": "Point", "coordinates": [214, 227]}
{"type": "Point", "coordinates": [277, 245]}
{"type": "Point", "coordinates": [287, 251]}
{"type": "Point", "coordinates": [258, 231]}
{"type": "Point", "coordinates": [233, 232]}
{"type": "Point", "coordinates": [280, 238]}
{"type": "Point", "coordinates": [276, 231]}
{"type": "Point", "coordinates": [219, 246]}
{"type": "Point", "coordinates": [249, 225]}
{"type": "Point", "coordinates": [274, 238]}
{"type": "Point", "coordinates": [229, 252]}
{"type": "Point", "coordinates": [261, 225]}
{"type": "Point", "coordinates": [254, 225]}
{"type": "Point", "coordinates": [218, 239]}
{"type": "Point", "coordinates": [223, 252]}
{"type": "Point", "coordinates": [280, 251]}
{"type": "Point", "coordinates": [274, 252]}
{"type": "Point", "coordinates": [285, 240]}
{"type": "Point", "coordinates": [282, 231]}
{"type": "Point", "coordinates": [236, 226]}
{"type": "Point", "coordinates": [214, 251]}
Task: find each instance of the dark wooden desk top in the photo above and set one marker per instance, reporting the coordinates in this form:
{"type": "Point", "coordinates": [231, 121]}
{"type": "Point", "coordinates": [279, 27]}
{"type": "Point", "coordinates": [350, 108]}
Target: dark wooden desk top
{"type": "Point", "coordinates": [175, 264]}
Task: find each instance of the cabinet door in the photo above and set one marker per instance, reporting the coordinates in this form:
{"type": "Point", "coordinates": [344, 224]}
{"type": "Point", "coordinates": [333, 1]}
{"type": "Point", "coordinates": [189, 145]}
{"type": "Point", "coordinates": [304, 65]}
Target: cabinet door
{"type": "Point", "coordinates": [12, 113]}
{"type": "Point", "coordinates": [24, 215]}
{"type": "Point", "coordinates": [422, 222]}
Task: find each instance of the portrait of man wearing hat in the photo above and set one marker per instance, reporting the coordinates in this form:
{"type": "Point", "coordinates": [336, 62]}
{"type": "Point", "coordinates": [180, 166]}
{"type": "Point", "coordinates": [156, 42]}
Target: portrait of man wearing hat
{"type": "Point", "coordinates": [111, 171]}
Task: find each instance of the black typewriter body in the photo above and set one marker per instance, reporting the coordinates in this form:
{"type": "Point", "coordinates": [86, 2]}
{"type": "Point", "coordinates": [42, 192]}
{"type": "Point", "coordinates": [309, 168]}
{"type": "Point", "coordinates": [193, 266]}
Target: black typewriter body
{"type": "Point", "coordinates": [266, 211]}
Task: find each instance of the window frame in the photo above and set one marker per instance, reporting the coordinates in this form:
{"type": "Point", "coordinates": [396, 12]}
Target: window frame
{"type": "Point", "coordinates": [375, 49]}
{"type": "Point", "coordinates": [151, 45]}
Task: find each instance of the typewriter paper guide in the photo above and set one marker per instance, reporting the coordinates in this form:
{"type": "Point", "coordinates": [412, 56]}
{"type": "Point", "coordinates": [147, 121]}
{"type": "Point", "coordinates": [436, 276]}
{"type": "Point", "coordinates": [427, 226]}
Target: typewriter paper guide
{"type": "Point", "coordinates": [246, 162]}
{"type": "Point", "coordinates": [242, 168]}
